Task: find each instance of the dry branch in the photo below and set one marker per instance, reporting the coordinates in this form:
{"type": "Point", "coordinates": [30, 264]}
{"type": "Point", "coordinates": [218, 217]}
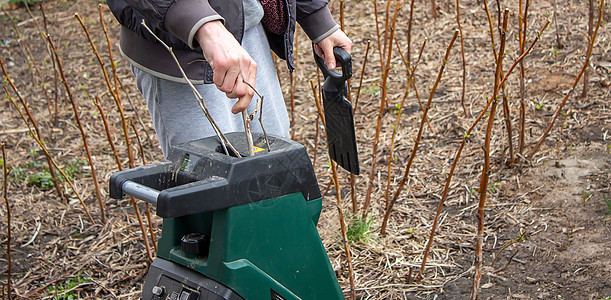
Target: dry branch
{"type": "Point", "coordinates": [77, 119]}
{"type": "Point", "coordinates": [483, 187]}
{"type": "Point", "coordinates": [418, 136]}
{"type": "Point", "coordinates": [200, 100]}
{"type": "Point", "coordinates": [36, 129]}
{"type": "Point", "coordinates": [8, 221]}
{"type": "Point", "coordinates": [585, 66]}
{"type": "Point", "coordinates": [44, 149]}
{"type": "Point", "coordinates": [383, 102]}
{"type": "Point", "coordinates": [338, 196]}
{"type": "Point", "coordinates": [464, 60]}
{"type": "Point", "coordinates": [112, 92]}
{"type": "Point", "coordinates": [466, 136]}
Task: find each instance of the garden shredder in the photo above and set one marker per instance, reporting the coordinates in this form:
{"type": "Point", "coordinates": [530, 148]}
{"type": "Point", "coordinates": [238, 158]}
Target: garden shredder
{"type": "Point", "coordinates": [244, 227]}
{"type": "Point", "coordinates": [234, 228]}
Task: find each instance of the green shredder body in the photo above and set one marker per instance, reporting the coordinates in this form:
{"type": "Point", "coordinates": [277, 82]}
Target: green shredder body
{"type": "Point", "coordinates": [234, 228]}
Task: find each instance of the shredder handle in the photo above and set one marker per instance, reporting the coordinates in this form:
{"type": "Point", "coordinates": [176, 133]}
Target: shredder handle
{"type": "Point", "coordinates": [140, 191]}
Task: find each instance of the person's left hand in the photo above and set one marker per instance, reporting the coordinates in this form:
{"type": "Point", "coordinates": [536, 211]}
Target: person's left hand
{"type": "Point", "coordinates": [325, 47]}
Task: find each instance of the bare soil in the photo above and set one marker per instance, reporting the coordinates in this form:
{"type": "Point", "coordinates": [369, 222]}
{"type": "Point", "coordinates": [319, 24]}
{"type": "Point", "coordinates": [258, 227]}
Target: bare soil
{"type": "Point", "coordinates": [547, 226]}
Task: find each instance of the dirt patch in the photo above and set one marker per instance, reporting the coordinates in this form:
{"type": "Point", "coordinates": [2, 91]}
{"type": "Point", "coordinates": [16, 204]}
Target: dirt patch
{"type": "Point", "coordinates": [565, 251]}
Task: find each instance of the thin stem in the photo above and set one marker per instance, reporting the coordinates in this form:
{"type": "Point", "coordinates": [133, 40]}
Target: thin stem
{"type": "Point", "coordinates": [115, 78]}
{"type": "Point", "coordinates": [335, 180]}
{"type": "Point", "coordinates": [112, 61]}
{"type": "Point", "coordinates": [586, 63]}
{"type": "Point", "coordinates": [342, 222]}
{"type": "Point", "coordinates": [392, 145]}
{"type": "Point", "coordinates": [37, 130]}
{"type": "Point", "coordinates": [358, 91]}
{"type": "Point", "coordinates": [383, 101]}
{"type": "Point", "coordinates": [55, 73]}
{"type": "Point", "coordinates": [483, 187]}
{"type": "Point", "coordinates": [8, 220]}
{"type": "Point", "coordinates": [77, 119]}
{"type": "Point", "coordinates": [419, 135]}
{"type": "Point", "coordinates": [147, 205]}
{"type": "Point", "coordinates": [44, 148]}
{"type": "Point", "coordinates": [30, 58]}
{"type": "Point", "coordinates": [410, 77]}
{"type": "Point", "coordinates": [98, 104]}
{"type": "Point", "coordinates": [523, 25]}
{"type": "Point", "coordinates": [586, 76]}
{"type": "Point", "coordinates": [396, 126]}
{"type": "Point", "coordinates": [112, 92]}
{"type": "Point", "coordinates": [464, 61]}
{"type": "Point", "coordinates": [409, 34]}
{"type": "Point", "coordinates": [434, 9]}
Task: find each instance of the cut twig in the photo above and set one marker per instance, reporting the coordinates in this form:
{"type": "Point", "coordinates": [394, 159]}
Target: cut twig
{"type": "Point", "coordinates": [200, 100]}
{"type": "Point", "coordinates": [246, 121]}
{"type": "Point", "coordinates": [258, 107]}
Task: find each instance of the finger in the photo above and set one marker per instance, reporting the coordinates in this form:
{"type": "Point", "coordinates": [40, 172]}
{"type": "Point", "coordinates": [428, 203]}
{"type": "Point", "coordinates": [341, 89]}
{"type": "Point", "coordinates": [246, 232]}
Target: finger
{"type": "Point", "coordinates": [329, 56]}
{"type": "Point", "coordinates": [230, 79]}
{"type": "Point", "coordinates": [243, 102]}
{"type": "Point", "coordinates": [247, 71]}
{"type": "Point", "coordinates": [250, 78]}
{"type": "Point", "coordinates": [318, 51]}
{"type": "Point", "coordinates": [218, 75]}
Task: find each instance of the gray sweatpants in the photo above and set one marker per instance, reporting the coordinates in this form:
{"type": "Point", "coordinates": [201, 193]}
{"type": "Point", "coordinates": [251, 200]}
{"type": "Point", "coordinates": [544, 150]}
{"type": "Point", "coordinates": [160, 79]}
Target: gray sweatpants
{"type": "Point", "coordinates": [178, 118]}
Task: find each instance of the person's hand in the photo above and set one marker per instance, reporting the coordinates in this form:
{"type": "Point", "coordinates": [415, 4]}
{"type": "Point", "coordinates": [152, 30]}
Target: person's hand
{"type": "Point", "coordinates": [231, 64]}
{"type": "Point", "coordinates": [325, 47]}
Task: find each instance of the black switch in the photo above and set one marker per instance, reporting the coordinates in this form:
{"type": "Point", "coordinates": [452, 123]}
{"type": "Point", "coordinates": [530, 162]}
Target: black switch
{"type": "Point", "coordinates": [188, 295]}
{"type": "Point", "coordinates": [195, 244]}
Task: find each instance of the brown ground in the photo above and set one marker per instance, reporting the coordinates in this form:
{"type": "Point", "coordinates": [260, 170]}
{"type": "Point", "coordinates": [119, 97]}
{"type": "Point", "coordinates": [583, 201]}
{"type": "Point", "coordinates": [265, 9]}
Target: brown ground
{"type": "Point", "coordinates": [554, 200]}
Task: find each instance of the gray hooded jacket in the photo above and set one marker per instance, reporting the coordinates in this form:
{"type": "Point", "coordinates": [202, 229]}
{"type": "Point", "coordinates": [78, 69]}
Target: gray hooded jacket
{"type": "Point", "coordinates": [177, 21]}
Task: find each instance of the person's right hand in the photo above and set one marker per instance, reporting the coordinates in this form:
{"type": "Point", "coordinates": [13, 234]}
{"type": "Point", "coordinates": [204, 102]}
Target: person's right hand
{"type": "Point", "coordinates": [231, 64]}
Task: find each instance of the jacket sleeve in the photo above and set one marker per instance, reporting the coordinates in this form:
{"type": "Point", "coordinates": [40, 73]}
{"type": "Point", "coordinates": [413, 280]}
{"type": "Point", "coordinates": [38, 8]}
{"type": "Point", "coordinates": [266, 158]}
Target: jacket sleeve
{"type": "Point", "coordinates": [182, 18]}
{"type": "Point", "coordinates": [315, 19]}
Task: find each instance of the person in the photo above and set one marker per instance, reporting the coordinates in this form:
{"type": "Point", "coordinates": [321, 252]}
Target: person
{"type": "Point", "coordinates": [222, 42]}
